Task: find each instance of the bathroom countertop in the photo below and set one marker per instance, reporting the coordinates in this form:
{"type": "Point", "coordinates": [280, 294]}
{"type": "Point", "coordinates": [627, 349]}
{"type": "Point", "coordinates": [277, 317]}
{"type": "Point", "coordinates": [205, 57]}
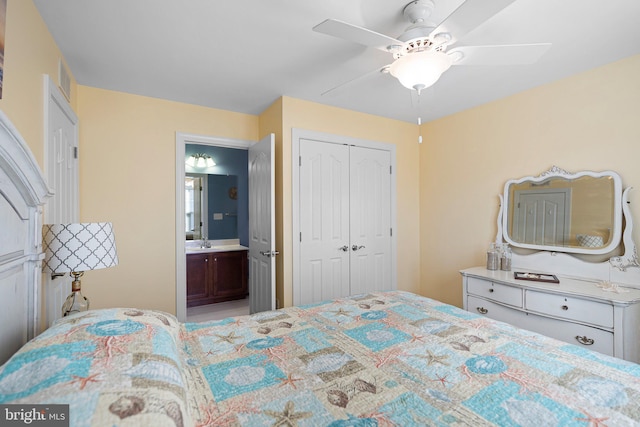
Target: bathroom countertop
{"type": "Point", "coordinates": [193, 246]}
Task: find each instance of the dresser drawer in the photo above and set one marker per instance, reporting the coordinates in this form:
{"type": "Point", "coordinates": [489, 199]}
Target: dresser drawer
{"type": "Point", "coordinates": [495, 291]}
{"type": "Point", "coordinates": [577, 309]}
{"type": "Point", "coordinates": [584, 336]}
{"type": "Point", "coordinates": [495, 311]}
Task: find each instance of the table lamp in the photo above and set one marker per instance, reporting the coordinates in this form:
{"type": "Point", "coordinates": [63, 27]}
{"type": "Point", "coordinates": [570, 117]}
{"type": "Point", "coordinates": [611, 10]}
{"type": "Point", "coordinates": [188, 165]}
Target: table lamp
{"type": "Point", "coordinates": [76, 248]}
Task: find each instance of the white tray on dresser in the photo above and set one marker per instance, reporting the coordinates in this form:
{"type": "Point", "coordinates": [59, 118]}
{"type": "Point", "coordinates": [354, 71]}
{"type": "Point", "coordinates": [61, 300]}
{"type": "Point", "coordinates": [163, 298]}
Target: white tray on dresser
{"type": "Point", "coordinates": [575, 310]}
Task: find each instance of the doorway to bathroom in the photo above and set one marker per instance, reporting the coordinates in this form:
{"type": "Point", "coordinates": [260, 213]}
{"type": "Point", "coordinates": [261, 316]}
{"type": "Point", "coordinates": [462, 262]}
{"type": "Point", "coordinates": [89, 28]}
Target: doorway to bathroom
{"type": "Point", "coordinates": [234, 173]}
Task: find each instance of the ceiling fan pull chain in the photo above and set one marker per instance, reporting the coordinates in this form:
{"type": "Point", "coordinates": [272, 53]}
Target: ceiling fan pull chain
{"type": "Point", "coordinates": [419, 130]}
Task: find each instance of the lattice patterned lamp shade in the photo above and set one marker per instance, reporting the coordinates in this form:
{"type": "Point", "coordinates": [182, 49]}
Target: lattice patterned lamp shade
{"type": "Point", "coordinates": [76, 248]}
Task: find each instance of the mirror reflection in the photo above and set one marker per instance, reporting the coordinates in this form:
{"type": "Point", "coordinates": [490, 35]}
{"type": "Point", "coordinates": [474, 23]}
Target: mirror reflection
{"type": "Point", "coordinates": [216, 197]}
{"type": "Point", "coordinates": [193, 206]}
{"type": "Point", "coordinates": [578, 213]}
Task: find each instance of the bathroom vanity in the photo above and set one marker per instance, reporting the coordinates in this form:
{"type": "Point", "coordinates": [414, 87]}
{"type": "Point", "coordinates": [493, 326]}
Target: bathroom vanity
{"type": "Point", "coordinates": [216, 274]}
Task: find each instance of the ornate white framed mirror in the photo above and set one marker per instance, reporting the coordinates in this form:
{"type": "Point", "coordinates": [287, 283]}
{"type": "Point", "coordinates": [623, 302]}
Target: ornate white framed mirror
{"type": "Point", "coordinates": [561, 211]}
{"type": "Point", "coordinates": [595, 242]}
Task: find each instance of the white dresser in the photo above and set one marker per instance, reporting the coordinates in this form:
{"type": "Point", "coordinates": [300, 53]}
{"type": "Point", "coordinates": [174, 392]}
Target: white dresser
{"type": "Point", "coordinates": [575, 311]}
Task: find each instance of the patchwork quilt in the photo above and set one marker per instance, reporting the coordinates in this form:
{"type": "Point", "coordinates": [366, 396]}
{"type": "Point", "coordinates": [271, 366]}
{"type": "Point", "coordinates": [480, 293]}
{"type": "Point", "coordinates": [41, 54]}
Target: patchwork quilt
{"type": "Point", "coordinates": [380, 359]}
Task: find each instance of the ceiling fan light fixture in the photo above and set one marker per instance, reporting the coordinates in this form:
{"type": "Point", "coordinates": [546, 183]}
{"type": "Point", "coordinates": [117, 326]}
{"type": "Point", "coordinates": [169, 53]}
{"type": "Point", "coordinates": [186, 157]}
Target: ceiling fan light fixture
{"type": "Point", "coordinates": [419, 70]}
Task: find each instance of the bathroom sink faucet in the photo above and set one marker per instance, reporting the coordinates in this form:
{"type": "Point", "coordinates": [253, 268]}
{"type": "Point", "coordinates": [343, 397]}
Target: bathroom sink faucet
{"type": "Point", "coordinates": [205, 243]}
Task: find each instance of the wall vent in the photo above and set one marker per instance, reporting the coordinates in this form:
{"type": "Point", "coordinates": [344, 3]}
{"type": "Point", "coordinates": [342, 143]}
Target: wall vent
{"type": "Point", "coordinates": [64, 80]}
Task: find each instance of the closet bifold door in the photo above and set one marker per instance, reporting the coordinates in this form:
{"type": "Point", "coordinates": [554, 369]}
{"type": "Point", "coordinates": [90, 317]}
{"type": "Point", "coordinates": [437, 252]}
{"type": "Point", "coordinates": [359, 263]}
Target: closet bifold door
{"type": "Point", "coordinates": [370, 220]}
{"type": "Point", "coordinates": [324, 221]}
{"type": "Point", "coordinates": [345, 220]}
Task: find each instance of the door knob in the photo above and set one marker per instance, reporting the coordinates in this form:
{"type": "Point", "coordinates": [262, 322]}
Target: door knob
{"type": "Point", "coordinates": [344, 248]}
{"type": "Point", "coordinates": [356, 247]}
{"type": "Point", "coordinates": [269, 254]}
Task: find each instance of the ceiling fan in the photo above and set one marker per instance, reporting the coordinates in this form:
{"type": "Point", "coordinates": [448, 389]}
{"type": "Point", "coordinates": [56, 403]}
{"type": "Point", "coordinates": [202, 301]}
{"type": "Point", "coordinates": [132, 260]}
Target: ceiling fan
{"type": "Point", "coordinates": [422, 53]}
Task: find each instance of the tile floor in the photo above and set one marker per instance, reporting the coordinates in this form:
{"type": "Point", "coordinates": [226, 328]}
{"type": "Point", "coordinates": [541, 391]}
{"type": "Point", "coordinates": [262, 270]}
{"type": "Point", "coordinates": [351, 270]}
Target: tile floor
{"type": "Point", "coordinates": [205, 313]}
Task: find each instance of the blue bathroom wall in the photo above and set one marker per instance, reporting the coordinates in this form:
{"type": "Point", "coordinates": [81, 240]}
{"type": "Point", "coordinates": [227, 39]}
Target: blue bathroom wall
{"type": "Point", "coordinates": [229, 161]}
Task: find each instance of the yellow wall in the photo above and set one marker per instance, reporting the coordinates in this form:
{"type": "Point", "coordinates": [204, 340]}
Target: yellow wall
{"type": "Point", "coordinates": [128, 177]}
{"type": "Point", "coordinates": [312, 116]}
{"type": "Point", "coordinates": [127, 173]}
{"type": "Point", "coordinates": [30, 52]}
{"type": "Point", "coordinates": [127, 163]}
{"type": "Point", "coordinates": [585, 122]}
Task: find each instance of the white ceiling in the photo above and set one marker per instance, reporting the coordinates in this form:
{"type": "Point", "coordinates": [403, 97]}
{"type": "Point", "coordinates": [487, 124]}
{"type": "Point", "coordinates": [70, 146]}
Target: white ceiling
{"type": "Point", "coordinates": [243, 55]}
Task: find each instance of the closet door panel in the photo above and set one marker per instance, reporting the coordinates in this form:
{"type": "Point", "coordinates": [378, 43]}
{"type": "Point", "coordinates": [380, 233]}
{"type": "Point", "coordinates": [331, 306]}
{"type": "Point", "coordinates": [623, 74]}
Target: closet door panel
{"type": "Point", "coordinates": [324, 220]}
{"type": "Point", "coordinates": [370, 219]}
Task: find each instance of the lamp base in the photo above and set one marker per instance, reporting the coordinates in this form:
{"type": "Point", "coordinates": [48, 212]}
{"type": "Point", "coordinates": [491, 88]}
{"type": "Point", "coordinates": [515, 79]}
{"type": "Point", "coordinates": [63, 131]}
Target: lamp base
{"type": "Point", "coordinates": [75, 302]}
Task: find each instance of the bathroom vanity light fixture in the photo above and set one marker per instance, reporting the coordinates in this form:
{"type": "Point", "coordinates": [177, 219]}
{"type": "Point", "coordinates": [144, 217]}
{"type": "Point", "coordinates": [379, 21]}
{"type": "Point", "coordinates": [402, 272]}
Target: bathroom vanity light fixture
{"type": "Point", "coordinates": [200, 160]}
{"type": "Point", "coordinates": [76, 248]}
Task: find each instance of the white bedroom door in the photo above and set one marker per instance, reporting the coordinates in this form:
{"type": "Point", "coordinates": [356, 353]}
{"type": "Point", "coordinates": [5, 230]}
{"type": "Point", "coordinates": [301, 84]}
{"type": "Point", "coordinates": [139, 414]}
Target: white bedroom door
{"type": "Point", "coordinates": [61, 164]}
{"type": "Point", "coordinates": [345, 217]}
{"type": "Point", "coordinates": [262, 226]}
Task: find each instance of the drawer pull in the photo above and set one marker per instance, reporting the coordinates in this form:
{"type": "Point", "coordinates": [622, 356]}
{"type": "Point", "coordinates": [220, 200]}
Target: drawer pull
{"type": "Point", "coordinates": [491, 290]}
{"type": "Point", "coordinates": [482, 310]}
{"type": "Point", "coordinates": [565, 307]}
{"type": "Point", "coordinates": [584, 340]}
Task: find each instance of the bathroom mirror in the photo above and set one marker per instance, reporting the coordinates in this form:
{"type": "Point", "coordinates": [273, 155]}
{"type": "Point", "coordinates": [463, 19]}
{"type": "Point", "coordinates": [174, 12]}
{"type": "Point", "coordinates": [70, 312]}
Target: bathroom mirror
{"type": "Point", "coordinates": [211, 206]}
{"type": "Point", "coordinates": [561, 211]}
{"type": "Point", "coordinates": [225, 193]}
{"type": "Point", "coordinates": [193, 198]}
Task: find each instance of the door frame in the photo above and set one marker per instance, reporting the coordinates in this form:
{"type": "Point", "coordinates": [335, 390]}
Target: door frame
{"type": "Point", "coordinates": [56, 290]}
{"type": "Point", "coordinates": [298, 134]}
{"type": "Point", "coordinates": [182, 139]}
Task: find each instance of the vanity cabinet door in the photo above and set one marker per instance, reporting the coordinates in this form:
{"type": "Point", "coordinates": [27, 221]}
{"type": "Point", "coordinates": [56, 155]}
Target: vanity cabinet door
{"type": "Point", "coordinates": [216, 277]}
{"type": "Point", "coordinates": [198, 289]}
{"type": "Point", "coordinates": [229, 275]}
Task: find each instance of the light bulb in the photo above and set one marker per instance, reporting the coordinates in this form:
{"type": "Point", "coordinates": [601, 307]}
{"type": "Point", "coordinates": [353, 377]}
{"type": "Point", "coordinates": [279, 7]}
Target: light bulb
{"type": "Point", "coordinates": [419, 70]}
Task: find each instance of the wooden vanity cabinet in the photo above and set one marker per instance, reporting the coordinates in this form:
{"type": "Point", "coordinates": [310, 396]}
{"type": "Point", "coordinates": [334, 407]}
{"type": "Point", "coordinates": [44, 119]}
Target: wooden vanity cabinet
{"type": "Point", "coordinates": [216, 277]}
{"type": "Point", "coordinates": [197, 279]}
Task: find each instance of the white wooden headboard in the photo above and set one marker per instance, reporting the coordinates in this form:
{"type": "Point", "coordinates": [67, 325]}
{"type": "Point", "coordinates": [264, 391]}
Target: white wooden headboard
{"type": "Point", "coordinates": [23, 191]}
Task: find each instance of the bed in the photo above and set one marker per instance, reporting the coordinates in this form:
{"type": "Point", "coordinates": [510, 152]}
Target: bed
{"type": "Point", "coordinates": [379, 359]}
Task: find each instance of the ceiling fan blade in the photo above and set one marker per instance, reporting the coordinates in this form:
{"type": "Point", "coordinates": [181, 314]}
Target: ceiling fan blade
{"type": "Point", "coordinates": [468, 16]}
{"type": "Point", "coordinates": [514, 54]}
{"type": "Point", "coordinates": [379, 70]}
{"type": "Point", "coordinates": [356, 34]}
